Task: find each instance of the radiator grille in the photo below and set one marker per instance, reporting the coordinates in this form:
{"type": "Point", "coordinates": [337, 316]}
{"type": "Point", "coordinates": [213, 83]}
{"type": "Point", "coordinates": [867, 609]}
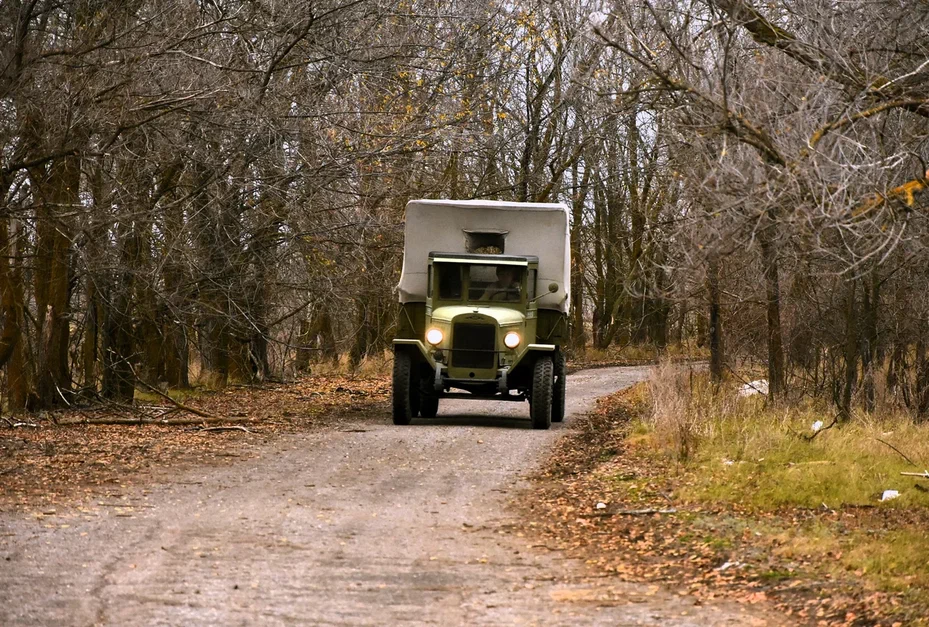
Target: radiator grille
{"type": "Point", "coordinates": [473, 345]}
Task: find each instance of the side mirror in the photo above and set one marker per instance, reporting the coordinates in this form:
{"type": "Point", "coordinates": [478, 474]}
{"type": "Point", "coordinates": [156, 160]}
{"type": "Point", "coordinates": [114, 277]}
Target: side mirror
{"type": "Point", "coordinates": [552, 288]}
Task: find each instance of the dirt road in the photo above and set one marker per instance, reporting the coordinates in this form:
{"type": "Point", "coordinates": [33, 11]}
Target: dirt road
{"type": "Point", "coordinates": [369, 524]}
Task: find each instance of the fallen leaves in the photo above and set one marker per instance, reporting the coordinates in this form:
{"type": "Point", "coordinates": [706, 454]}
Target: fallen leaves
{"type": "Point", "coordinates": [63, 457]}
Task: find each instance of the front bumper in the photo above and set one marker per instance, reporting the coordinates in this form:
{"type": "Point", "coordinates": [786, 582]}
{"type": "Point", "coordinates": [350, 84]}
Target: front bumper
{"type": "Point", "coordinates": [442, 379]}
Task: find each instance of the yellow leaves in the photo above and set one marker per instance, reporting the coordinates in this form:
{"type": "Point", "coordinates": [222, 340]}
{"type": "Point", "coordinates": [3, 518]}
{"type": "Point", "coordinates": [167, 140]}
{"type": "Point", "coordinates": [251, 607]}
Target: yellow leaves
{"type": "Point", "coordinates": [503, 115]}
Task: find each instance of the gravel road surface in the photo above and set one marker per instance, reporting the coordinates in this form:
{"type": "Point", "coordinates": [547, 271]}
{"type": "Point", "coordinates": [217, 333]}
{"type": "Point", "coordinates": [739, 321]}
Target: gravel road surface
{"type": "Point", "coordinates": [362, 524]}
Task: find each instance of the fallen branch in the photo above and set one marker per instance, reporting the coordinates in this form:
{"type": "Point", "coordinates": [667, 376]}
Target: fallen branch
{"type": "Point", "coordinates": [645, 512]}
{"type": "Point", "coordinates": [921, 475]}
{"type": "Point", "coordinates": [227, 428]}
{"type": "Point", "coordinates": [809, 438]}
{"type": "Point", "coordinates": [113, 420]}
{"type": "Point", "coordinates": [632, 512]}
{"type": "Point", "coordinates": [176, 403]}
{"type": "Point", "coordinates": [14, 425]}
{"type": "Point", "coordinates": [911, 462]}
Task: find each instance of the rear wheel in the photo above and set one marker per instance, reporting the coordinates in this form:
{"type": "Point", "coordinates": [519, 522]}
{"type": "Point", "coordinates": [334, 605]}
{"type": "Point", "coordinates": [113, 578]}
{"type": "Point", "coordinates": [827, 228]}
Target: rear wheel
{"type": "Point", "coordinates": [559, 387]}
{"type": "Point", "coordinates": [405, 395]}
{"type": "Point", "coordinates": [540, 406]}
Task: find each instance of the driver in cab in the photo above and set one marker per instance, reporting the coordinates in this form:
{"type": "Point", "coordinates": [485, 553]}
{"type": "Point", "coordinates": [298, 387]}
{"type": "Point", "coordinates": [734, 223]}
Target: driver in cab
{"type": "Point", "coordinates": [505, 288]}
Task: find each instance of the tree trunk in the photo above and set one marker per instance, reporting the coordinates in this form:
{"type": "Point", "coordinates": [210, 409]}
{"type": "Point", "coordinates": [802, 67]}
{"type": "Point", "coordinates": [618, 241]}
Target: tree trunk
{"type": "Point", "coordinates": [118, 344]}
{"type": "Point", "coordinates": [58, 192]}
{"type": "Point", "coordinates": [715, 331]}
{"type": "Point", "coordinates": [89, 346]}
{"type": "Point", "coordinates": [363, 333]}
{"type": "Point", "coordinates": [578, 197]}
{"type": "Point", "coordinates": [173, 327]}
{"type": "Point", "coordinates": [851, 354]}
{"type": "Point", "coordinates": [20, 373]}
{"type": "Point", "coordinates": [870, 304]}
{"type": "Point", "coordinates": [773, 309]}
{"type": "Point", "coordinates": [9, 336]}
{"type": "Point", "coordinates": [176, 354]}
{"type": "Point", "coordinates": [922, 381]}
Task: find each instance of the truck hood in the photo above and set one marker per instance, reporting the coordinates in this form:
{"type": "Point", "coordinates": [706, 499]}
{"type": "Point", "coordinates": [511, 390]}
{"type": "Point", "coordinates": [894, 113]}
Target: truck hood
{"type": "Point", "coordinates": [502, 315]}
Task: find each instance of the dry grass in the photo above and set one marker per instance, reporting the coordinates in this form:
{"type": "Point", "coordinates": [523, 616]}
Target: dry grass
{"type": "Point", "coordinates": [741, 453]}
{"type": "Point", "coordinates": [377, 365]}
{"type": "Point", "coordinates": [634, 354]}
{"type": "Point", "coordinates": [770, 457]}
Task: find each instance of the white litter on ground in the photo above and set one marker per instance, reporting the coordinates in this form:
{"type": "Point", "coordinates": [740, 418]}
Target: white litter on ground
{"type": "Point", "coordinates": [601, 505]}
{"type": "Point", "coordinates": [817, 425]}
{"type": "Point", "coordinates": [889, 494]}
{"type": "Point", "coordinates": [727, 566]}
{"type": "Point", "coordinates": [754, 387]}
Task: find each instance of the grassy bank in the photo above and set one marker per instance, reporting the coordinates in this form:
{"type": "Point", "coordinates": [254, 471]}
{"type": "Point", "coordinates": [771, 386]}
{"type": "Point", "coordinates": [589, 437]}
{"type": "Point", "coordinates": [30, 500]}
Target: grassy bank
{"type": "Point", "coordinates": [702, 489]}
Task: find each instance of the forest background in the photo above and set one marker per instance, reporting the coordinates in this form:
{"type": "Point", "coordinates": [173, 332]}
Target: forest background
{"type": "Point", "coordinates": [206, 192]}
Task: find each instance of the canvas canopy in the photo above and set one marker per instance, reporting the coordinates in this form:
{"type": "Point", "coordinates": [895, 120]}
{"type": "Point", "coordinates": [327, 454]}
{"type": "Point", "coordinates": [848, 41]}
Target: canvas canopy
{"type": "Point", "coordinates": [456, 226]}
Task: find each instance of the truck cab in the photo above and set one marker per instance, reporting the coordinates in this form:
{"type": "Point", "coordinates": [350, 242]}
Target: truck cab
{"type": "Point", "coordinates": [475, 328]}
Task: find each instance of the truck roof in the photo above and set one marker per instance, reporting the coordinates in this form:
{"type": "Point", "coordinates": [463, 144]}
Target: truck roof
{"type": "Point", "coordinates": [522, 230]}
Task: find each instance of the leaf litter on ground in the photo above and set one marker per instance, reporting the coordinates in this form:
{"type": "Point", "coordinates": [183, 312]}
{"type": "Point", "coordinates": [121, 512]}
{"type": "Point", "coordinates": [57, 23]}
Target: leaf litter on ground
{"type": "Point", "coordinates": [64, 458]}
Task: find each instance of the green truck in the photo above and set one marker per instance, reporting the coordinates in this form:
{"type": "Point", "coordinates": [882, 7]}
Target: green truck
{"type": "Point", "coordinates": [483, 307]}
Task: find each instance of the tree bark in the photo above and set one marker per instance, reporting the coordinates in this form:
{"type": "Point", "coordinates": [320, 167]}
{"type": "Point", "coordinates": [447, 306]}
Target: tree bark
{"type": "Point", "coordinates": [870, 305]}
{"type": "Point", "coordinates": [775, 340]}
{"type": "Point", "coordinates": [851, 353]}
{"type": "Point", "coordinates": [715, 330]}
{"type": "Point", "coordinates": [579, 196]}
{"type": "Point", "coordinates": [58, 193]}
{"type": "Point", "coordinates": [10, 334]}
{"type": "Point", "coordinates": [118, 342]}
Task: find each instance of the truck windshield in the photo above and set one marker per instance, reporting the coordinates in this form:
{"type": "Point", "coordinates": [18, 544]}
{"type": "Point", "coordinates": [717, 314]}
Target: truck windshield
{"type": "Point", "coordinates": [486, 282]}
{"type": "Point", "coordinates": [495, 283]}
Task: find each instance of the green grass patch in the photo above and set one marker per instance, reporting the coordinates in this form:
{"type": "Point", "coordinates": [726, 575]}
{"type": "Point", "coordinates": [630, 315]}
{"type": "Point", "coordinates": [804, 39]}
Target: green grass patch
{"type": "Point", "coordinates": [776, 575]}
{"type": "Point", "coordinates": [766, 465]}
{"type": "Point", "coordinates": [740, 451]}
{"type": "Point", "coordinates": [897, 558]}
{"type": "Point", "coordinates": [812, 496]}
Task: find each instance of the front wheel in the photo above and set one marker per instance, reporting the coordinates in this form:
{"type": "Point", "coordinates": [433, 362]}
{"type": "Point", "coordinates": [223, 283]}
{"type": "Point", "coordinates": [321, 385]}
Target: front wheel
{"type": "Point", "coordinates": [540, 406]}
{"type": "Point", "coordinates": [559, 388]}
{"type": "Point", "coordinates": [429, 406]}
{"type": "Point", "coordinates": [405, 395]}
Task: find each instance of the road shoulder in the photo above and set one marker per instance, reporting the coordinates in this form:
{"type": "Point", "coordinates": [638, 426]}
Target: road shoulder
{"type": "Point", "coordinates": [601, 500]}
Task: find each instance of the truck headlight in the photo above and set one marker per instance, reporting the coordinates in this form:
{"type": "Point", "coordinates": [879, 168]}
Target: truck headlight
{"type": "Point", "coordinates": [511, 339]}
{"type": "Point", "coordinates": [434, 337]}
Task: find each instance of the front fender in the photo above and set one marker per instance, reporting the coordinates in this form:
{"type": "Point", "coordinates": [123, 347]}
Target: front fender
{"type": "Point", "coordinates": [415, 346]}
{"type": "Point", "coordinates": [531, 351]}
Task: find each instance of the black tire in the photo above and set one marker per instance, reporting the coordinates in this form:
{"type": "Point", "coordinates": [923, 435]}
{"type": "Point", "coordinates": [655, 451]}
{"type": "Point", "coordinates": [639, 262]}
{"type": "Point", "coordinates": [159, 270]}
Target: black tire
{"type": "Point", "coordinates": [540, 407]}
{"type": "Point", "coordinates": [429, 406]}
{"type": "Point", "coordinates": [428, 397]}
{"type": "Point", "coordinates": [559, 387]}
{"type": "Point", "coordinates": [405, 395]}
{"type": "Point", "coordinates": [416, 401]}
